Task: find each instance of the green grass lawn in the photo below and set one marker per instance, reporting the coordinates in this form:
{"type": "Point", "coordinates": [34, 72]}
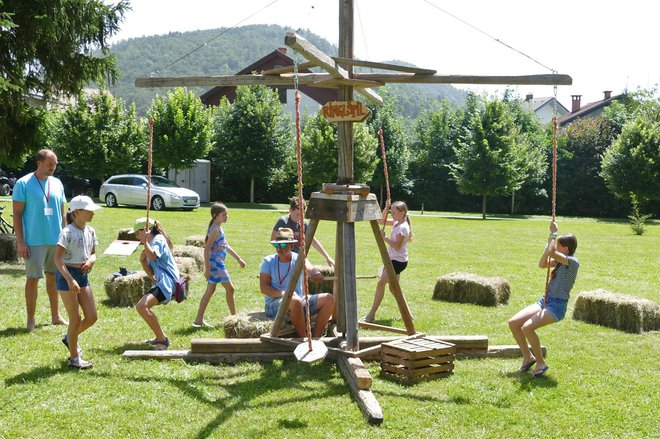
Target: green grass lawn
{"type": "Point", "coordinates": [601, 382]}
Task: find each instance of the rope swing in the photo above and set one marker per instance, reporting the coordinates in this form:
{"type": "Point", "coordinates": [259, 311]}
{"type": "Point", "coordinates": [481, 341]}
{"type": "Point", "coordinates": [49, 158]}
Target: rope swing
{"type": "Point", "coordinates": [554, 191]}
{"type": "Point", "coordinates": [149, 162]}
{"type": "Point", "coordinates": [387, 177]}
{"type": "Point", "coordinates": [316, 350]}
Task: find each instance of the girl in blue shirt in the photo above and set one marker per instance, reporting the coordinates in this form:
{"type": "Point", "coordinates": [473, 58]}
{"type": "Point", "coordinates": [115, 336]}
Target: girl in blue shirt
{"type": "Point", "coordinates": [523, 325]}
{"type": "Point", "coordinates": [158, 262]}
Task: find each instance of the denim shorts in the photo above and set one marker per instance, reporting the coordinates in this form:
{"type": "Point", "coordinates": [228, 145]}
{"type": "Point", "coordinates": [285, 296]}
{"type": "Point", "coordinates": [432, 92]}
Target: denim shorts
{"type": "Point", "coordinates": [556, 307]}
{"type": "Point", "coordinates": [274, 305]}
{"type": "Point", "coordinates": [77, 275]}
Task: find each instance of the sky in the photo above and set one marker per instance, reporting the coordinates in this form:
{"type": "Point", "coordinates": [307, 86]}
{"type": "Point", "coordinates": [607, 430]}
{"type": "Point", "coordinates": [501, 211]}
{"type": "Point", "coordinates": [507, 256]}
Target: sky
{"type": "Point", "coordinates": [602, 45]}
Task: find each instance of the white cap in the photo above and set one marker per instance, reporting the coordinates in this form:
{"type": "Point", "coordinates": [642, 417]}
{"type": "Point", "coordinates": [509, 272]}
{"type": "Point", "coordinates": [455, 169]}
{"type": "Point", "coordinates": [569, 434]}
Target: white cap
{"type": "Point", "coordinates": [83, 202]}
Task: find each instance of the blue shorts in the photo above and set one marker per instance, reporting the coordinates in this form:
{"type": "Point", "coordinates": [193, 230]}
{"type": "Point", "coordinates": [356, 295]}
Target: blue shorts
{"type": "Point", "coordinates": [77, 275]}
{"type": "Point", "coordinates": [274, 305]}
{"type": "Point", "coordinates": [557, 307]}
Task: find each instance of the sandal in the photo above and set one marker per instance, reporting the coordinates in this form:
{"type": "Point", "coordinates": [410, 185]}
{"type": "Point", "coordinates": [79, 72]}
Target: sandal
{"type": "Point", "coordinates": [161, 345]}
{"type": "Point", "coordinates": [526, 367]}
{"type": "Point", "coordinates": [202, 325]}
{"type": "Point", "coordinates": [79, 363]}
{"type": "Point", "coordinates": [65, 340]}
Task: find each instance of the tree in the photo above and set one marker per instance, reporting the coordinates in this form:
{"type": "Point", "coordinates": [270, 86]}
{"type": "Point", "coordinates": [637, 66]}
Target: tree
{"type": "Point", "coordinates": [99, 137]}
{"type": "Point", "coordinates": [51, 48]}
{"type": "Point", "coordinates": [183, 130]}
{"type": "Point", "coordinates": [432, 154]}
{"type": "Point", "coordinates": [486, 161]}
{"type": "Point", "coordinates": [319, 146]}
{"type": "Point", "coordinates": [632, 164]}
{"type": "Point", "coordinates": [396, 138]}
{"type": "Point", "coordinates": [252, 143]}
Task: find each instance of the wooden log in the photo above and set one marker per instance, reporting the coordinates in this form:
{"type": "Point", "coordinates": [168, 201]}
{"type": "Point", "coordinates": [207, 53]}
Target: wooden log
{"type": "Point", "coordinates": [234, 345]}
{"type": "Point", "coordinates": [545, 79]}
{"type": "Point", "coordinates": [345, 208]}
{"type": "Point", "coordinates": [357, 83]}
{"type": "Point", "coordinates": [380, 65]}
{"type": "Point", "coordinates": [365, 399]}
{"type": "Point", "coordinates": [377, 327]}
{"type": "Point", "coordinates": [348, 284]}
{"type": "Point", "coordinates": [289, 69]}
{"type": "Point", "coordinates": [217, 358]}
{"type": "Point", "coordinates": [495, 351]}
{"type": "Point", "coordinates": [354, 368]}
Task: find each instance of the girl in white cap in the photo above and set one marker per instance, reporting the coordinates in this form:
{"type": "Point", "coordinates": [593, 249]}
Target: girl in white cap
{"type": "Point", "coordinates": [75, 256]}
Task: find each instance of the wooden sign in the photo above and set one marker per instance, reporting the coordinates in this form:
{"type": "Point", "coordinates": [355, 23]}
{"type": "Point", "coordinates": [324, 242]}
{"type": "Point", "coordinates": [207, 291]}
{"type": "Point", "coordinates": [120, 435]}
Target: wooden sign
{"type": "Point", "coordinates": [345, 111]}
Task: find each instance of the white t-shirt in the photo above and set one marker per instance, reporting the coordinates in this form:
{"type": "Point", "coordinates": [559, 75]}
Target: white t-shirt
{"type": "Point", "coordinates": [78, 244]}
{"type": "Point", "coordinates": [401, 254]}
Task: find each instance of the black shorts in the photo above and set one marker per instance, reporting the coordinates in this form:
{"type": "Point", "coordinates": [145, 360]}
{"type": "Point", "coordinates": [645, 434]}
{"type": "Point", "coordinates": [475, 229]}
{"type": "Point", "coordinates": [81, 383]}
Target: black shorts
{"type": "Point", "coordinates": [157, 293]}
{"type": "Point", "coordinates": [399, 266]}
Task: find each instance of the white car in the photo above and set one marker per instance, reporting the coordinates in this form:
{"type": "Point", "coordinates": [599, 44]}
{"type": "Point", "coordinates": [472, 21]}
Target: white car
{"type": "Point", "coordinates": [131, 189]}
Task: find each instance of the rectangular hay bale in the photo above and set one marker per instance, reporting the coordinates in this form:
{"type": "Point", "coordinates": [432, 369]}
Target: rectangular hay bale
{"type": "Point", "coordinates": [618, 311]}
{"type": "Point", "coordinates": [470, 288]}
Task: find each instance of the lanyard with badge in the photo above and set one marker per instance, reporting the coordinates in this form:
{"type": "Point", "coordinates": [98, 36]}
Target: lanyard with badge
{"type": "Point", "coordinates": [48, 211]}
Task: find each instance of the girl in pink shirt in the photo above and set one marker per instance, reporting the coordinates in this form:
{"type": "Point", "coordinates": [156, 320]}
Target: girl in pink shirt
{"type": "Point", "coordinates": [400, 235]}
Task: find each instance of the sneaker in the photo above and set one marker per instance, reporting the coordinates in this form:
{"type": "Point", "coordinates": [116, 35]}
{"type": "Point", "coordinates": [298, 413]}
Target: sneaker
{"type": "Point", "coordinates": [79, 363]}
{"type": "Point", "coordinates": [65, 340]}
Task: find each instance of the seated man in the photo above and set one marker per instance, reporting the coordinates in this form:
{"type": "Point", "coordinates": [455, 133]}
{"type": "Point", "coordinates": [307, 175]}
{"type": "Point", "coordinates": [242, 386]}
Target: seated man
{"type": "Point", "coordinates": [275, 273]}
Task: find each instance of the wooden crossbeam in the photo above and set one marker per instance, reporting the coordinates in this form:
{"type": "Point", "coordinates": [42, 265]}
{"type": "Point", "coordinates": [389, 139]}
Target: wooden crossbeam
{"type": "Point", "coordinates": [311, 53]}
{"type": "Point", "coordinates": [357, 83]}
{"type": "Point", "coordinates": [384, 66]}
{"type": "Point", "coordinates": [379, 78]}
{"type": "Point", "coordinates": [289, 69]}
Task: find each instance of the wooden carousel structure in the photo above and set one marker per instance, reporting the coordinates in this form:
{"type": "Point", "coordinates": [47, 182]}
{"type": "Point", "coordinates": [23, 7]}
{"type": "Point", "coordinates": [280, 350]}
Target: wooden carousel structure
{"type": "Point", "coordinates": [344, 203]}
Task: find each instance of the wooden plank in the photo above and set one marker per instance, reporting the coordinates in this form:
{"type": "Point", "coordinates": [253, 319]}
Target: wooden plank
{"type": "Point", "coordinates": [349, 286]}
{"type": "Point", "coordinates": [413, 373]}
{"type": "Point", "coordinates": [398, 78]}
{"type": "Point", "coordinates": [215, 358]}
{"type": "Point", "coordinates": [420, 362]}
{"type": "Point", "coordinates": [380, 65]}
{"type": "Point", "coordinates": [353, 369]}
{"type": "Point", "coordinates": [314, 55]}
{"type": "Point", "coordinates": [418, 348]}
{"type": "Point", "coordinates": [357, 83]}
{"type": "Point", "coordinates": [496, 351]}
{"type": "Point", "coordinates": [378, 327]}
{"type": "Point", "coordinates": [289, 69]}
{"type": "Point", "coordinates": [365, 400]}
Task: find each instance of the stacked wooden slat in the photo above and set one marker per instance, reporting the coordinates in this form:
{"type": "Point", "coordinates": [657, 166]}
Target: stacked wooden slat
{"type": "Point", "coordinates": [411, 361]}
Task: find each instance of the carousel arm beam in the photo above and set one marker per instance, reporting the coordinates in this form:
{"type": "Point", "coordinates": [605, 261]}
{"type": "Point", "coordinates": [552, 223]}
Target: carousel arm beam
{"type": "Point", "coordinates": [384, 66]}
{"type": "Point", "coordinates": [229, 80]}
{"type": "Point", "coordinates": [549, 79]}
{"type": "Point", "coordinates": [311, 53]}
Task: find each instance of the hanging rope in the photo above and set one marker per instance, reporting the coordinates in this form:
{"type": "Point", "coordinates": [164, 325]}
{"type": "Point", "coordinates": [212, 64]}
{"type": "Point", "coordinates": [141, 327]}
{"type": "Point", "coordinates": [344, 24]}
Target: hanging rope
{"type": "Point", "coordinates": [151, 149]}
{"type": "Point", "coordinates": [301, 204]}
{"type": "Point", "coordinates": [387, 177]}
{"type": "Point", "coordinates": [554, 190]}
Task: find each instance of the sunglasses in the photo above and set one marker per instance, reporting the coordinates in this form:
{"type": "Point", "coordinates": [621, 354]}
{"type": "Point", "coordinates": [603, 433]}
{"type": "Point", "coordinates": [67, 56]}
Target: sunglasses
{"type": "Point", "coordinates": [280, 244]}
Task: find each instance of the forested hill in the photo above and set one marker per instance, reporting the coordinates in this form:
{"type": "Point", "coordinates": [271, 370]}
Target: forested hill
{"type": "Point", "coordinates": [229, 53]}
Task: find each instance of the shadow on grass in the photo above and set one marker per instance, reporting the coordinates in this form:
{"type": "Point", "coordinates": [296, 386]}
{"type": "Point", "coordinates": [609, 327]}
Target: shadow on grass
{"type": "Point", "coordinates": [38, 374]}
{"type": "Point", "coordinates": [528, 382]}
{"type": "Point", "coordinates": [14, 271]}
{"type": "Point", "coordinates": [245, 394]}
{"type": "Point", "coordinates": [10, 332]}
{"type": "Point", "coordinates": [459, 400]}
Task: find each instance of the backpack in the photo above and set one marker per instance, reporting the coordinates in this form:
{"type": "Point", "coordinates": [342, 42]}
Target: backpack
{"type": "Point", "coordinates": [180, 289]}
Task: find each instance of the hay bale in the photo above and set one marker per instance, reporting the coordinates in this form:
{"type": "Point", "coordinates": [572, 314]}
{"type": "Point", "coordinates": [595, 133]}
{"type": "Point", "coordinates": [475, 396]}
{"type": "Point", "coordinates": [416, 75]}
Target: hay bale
{"type": "Point", "coordinates": [252, 324]}
{"type": "Point", "coordinates": [326, 285]}
{"type": "Point", "coordinates": [619, 311]}
{"type": "Point", "coordinates": [190, 251]}
{"type": "Point", "coordinates": [126, 235]}
{"type": "Point", "coordinates": [187, 266]}
{"type": "Point", "coordinates": [8, 249]}
{"type": "Point", "coordinates": [127, 290]}
{"type": "Point", "coordinates": [470, 288]}
{"type": "Point", "coordinates": [196, 240]}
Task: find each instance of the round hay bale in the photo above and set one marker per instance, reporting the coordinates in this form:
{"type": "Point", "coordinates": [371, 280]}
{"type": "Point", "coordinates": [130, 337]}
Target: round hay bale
{"type": "Point", "coordinates": [618, 311]}
{"type": "Point", "coordinates": [8, 249]}
{"type": "Point", "coordinates": [127, 290]}
{"type": "Point", "coordinates": [470, 288]}
{"type": "Point", "coordinates": [196, 240]}
{"type": "Point", "coordinates": [126, 235]}
{"type": "Point", "coordinates": [190, 251]}
{"type": "Point", "coordinates": [326, 285]}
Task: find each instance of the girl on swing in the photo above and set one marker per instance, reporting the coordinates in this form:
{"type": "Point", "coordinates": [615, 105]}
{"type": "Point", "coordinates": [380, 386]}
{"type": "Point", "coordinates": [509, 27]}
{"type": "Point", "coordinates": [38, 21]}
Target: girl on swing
{"type": "Point", "coordinates": [400, 236]}
{"type": "Point", "coordinates": [524, 324]}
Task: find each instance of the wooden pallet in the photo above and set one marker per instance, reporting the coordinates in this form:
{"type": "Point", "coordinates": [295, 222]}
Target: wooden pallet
{"type": "Point", "coordinates": [410, 361]}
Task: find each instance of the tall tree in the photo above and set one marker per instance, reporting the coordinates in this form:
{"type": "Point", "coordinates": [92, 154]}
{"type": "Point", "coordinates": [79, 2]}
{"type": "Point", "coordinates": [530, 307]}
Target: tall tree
{"type": "Point", "coordinates": [396, 138]}
{"type": "Point", "coordinates": [183, 130]}
{"type": "Point", "coordinates": [99, 137]}
{"type": "Point", "coordinates": [486, 161]}
{"type": "Point", "coordinates": [319, 145]}
{"type": "Point", "coordinates": [51, 48]}
{"type": "Point", "coordinates": [252, 144]}
{"type": "Point", "coordinates": [631, 166]}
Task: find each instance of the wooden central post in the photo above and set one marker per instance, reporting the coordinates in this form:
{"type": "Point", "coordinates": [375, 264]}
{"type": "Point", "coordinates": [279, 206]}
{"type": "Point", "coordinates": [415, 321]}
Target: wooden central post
{"type": "Point", "coordinates": [345, 93]}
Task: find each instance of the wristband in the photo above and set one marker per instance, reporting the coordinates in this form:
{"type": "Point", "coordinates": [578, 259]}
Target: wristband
{"type": "Point", "coordinates": [553, 235]}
